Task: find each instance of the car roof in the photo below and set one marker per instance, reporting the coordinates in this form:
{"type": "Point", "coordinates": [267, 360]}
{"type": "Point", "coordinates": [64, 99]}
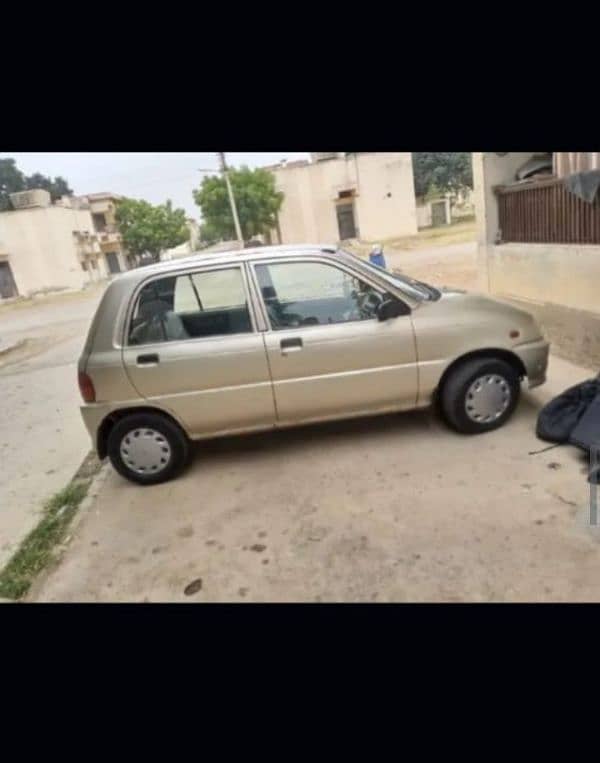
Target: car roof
{"type": "Point", "coordinates": [217, 258]}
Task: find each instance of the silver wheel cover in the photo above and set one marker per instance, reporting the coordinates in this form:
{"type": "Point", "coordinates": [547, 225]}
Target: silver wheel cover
{"type": "Point", "coordinates": [145, 451]}
{"type": "Point", "coordinates": [487, 398]}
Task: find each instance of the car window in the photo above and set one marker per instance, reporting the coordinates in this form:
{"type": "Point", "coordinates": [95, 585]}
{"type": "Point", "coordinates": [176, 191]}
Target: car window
{"type": "Point", "coordinates": [220, 288]}
{"type": "Point", "coordinates": [191, 306]}
{"type": "Point", "coordinates": [413, 288]}
{"type": "Point", "coordinates": [314, 294]}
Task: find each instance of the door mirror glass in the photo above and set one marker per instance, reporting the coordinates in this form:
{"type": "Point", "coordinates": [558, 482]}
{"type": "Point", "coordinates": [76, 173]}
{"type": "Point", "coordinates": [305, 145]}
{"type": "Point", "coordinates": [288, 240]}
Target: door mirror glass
{"type": "Point", "coordinates": [391, 308]}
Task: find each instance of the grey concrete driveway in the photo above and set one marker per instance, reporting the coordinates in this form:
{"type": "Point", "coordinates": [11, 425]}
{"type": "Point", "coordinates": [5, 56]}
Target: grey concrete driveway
{"type": "Point", "coordinates": [42, 437]}
{"type": "Point", "coordinates": [396, 508]}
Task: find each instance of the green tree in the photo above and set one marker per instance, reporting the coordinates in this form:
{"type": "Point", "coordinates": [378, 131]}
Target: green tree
{"type": "Point", "coordinates": [208, 234]}
{"type": "Point", "coordinates": [149, 229]}
{"type": "Point", "coordinates": [450, 171]}
{"type": "Point", "coordinates": [11, 181]}
{"type": "Point", "coordinates": [256, 197]}
{"type": "Point", "coordinates": [56, 188]}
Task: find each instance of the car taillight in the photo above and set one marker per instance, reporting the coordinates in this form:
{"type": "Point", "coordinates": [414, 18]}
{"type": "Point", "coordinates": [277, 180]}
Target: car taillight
{"type": "Point", "coordinates": [86, 387]}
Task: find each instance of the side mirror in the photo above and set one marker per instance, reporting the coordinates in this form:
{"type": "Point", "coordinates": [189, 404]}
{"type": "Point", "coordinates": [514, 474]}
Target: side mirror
{"type": "Point", "coordinates": [391, 308]}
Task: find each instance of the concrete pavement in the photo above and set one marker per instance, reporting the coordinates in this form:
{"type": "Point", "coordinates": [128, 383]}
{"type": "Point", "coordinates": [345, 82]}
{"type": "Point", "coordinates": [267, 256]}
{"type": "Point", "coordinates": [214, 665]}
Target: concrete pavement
{"type": "Point", "coordinates": [394, 508]}
{"type": "Point", "coordinates": [42, 437]}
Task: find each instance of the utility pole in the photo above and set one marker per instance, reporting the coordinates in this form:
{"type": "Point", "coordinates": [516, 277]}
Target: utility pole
{"type": "Point", "coordinates": [236, 221]}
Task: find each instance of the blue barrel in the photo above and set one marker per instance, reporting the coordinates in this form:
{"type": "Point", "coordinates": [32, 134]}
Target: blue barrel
{"type": "Point", "coordinates": [377, 258]}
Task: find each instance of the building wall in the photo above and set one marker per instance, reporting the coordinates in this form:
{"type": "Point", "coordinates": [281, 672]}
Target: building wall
{"type": "Point", "coordinates": [386, 205]}
{"type": "Point", "coordinates": [557, 283]}
{"type": "Point", "coordinates": [384, 201]}
{"type": "Point", "coordinates": [110, 239]}
{"type": "Point", "coordinates": [42, 250]}
{"type": "Point", "coordinates": [44, 253]}
{"type": "Point", "coordinates": [561, 274]}
{"type": "Point", "coordinates": [423, 215]}
{"type": "Point", "coordinates": [490, 170]}
{"type": "Point", "coordinates": [105, 207]}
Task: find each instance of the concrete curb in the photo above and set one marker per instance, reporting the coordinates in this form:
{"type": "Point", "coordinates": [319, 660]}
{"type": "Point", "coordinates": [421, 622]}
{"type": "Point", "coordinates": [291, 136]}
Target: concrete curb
{"type": "Point", "coordinates": [82, 512]}
{"type": "Point", "coordinates": [95, 486]}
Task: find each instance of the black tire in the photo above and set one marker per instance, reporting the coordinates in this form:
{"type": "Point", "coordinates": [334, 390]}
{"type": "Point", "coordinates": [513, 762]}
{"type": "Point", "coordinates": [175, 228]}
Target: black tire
{"type": "Point", "coordinates": [456, 387]}
{"type": "Point", "coordinates": [176, 442]}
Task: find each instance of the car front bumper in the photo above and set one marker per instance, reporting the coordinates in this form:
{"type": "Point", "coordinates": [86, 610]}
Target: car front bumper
{"type": "Point", "coordinates": [535, 359]}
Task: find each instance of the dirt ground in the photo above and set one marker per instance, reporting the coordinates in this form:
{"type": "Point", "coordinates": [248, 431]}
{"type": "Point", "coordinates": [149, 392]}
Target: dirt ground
{"type": "Point", "coordinates": [459, 232]}
{"type": "Point", "coordinates": [395, 508]}
{"type": "Point", "coordinates": [453, 265]}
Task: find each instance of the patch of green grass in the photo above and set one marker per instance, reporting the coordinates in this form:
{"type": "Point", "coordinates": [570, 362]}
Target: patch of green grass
{"type": "Point", "coordinates": [38, 548]}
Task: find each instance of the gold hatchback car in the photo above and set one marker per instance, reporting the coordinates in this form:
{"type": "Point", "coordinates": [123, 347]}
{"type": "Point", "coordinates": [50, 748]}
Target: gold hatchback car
{"type": "Point", "coordinates": [242, 341]}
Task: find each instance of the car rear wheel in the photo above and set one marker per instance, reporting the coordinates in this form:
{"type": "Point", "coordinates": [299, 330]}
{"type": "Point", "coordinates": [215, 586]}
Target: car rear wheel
{"type": "Point", "coordinates": [480, 395]}
{"type": "Point", "coordinates": [147, 448]}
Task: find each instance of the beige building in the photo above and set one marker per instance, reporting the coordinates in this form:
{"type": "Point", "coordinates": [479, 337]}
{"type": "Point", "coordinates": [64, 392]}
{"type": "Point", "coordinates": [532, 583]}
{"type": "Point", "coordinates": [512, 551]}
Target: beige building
{"type": "Point", "coordinates": [337, 196]}
{"type": "Point", "coordinates": [539, 243]}
{"type": "Point", "coordinates": [103, 207]}
{"type": "Point", "coordinates": [188, 247]}
{"type": "Point", "coordinates": [47, 247]}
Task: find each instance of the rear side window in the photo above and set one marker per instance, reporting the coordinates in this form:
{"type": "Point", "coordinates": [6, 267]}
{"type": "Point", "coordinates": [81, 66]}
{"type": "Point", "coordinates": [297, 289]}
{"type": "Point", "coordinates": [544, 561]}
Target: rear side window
{"type": "Point", "coordinates": [191, 306]}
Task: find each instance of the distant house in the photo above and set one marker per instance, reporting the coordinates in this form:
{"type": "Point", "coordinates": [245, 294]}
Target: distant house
{"type": "Point", "coordinates": [341, 196]}
{"type": "Point", "coordinates": [64, 245]}
{"type": "Point", "coordinates": [188, 247]}
{"type": "Point", "coordinates": [103, 207]}
{"type": "Point", "coordinates": [539, 241]}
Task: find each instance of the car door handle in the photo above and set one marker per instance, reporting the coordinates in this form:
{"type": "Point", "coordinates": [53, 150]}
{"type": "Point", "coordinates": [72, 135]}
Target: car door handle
{"type": "Point", "coordinates": [293, 344]}
{"type": "Point", "coordinates": [148, 360]}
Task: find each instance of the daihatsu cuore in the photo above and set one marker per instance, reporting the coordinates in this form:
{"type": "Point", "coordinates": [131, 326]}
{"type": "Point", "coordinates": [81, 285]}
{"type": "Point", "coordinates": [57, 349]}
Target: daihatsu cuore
{"type": "Point", "coordinates": [242, 341]}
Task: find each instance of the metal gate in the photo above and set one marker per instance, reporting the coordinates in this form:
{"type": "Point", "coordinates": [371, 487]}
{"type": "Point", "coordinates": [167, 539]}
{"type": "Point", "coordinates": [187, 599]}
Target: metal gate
{"type": "Point", "coordinates": [438, 213]}
{"type": "Point", "coordinates": [8, 287]}
{"type": "Point", "coordinates": [113, 262]}
{"type": "Point", "coordinates": [345, 216]}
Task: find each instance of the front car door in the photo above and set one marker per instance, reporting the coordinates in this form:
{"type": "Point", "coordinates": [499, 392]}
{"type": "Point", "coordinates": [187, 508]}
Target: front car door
{"type": "Point", "coordinates": [193, 349]}
{"type": "Point", "coordinates": [328, 353]}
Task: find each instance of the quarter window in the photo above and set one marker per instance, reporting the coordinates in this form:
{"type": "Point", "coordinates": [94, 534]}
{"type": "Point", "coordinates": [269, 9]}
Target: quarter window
{"type": "Point", "coordinates": [191, 306]}
{"type": "Point", "coordinates": [314, 294]}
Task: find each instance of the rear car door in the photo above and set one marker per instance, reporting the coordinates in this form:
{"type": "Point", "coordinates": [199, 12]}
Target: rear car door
{"type": "Point", "coordinates": [192, 347]}
{"type": "Point", "coordinates": [328, 353]}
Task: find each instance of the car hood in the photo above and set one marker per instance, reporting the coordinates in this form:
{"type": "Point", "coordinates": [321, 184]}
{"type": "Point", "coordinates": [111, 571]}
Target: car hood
{"type": "Point", "coordinates": [465, 308]}
{"type": "Point", "coordinates": [466, 299]}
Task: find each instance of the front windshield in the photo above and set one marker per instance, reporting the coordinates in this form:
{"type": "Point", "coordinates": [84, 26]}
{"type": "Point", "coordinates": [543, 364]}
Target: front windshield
{"type": "Point", "coordinates": [414, 288]}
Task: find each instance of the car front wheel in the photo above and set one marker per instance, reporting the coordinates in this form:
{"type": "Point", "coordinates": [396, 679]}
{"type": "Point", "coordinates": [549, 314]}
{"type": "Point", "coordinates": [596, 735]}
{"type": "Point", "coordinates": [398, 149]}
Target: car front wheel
{"type": "Point", "coordinates": [480, 395]}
